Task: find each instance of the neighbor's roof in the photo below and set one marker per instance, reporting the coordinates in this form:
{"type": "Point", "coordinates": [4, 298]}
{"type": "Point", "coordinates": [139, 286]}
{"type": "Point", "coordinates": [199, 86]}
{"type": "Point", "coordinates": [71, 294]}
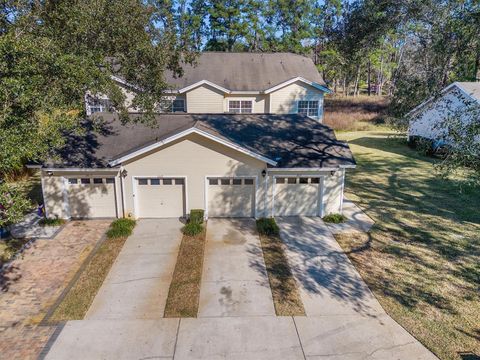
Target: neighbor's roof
{"type": "Point", "coordinates": [289, 141]}
{"type": "Point", "coordinates": [471, 88]}
{"type": "Point", "coordinates": [246, 71]}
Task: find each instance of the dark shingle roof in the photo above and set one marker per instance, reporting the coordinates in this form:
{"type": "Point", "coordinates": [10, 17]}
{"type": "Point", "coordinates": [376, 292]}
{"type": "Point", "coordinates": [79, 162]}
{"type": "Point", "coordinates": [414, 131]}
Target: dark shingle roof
{"type": "Point", "coordinates": [247, 71]}
{"type": "Point", "coordinates": [293, 141]}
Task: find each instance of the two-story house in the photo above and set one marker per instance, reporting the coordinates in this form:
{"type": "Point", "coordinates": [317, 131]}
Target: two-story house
{"type": "Point", "coordinates": [253, 83]}
{"type": "Point", "coordinates": [240, 136]}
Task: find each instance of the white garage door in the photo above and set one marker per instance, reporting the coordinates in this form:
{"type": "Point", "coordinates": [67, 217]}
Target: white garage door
{"type": "Point", "coordinates": [92, 197]}
{"type": "Point", "coordinates": [231, 197]}
{"type": "Point", "coordinates": [160, 197]}
{"type": "Point", "coordinates": [297, 196]}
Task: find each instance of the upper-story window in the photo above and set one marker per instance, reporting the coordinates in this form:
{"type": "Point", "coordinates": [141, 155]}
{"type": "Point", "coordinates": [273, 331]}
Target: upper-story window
{"type": "Point", "coordinates": [173, 105]}
{"type": "Point", "coordinates": [309, 108]}
{"type": "Point", "coordinates": [95, 105]}
{"type": "Point", "coordinates": [240, 106]}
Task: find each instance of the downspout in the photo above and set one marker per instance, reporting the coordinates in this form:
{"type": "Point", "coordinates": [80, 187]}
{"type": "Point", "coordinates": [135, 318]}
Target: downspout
{"type": "Point", "coordinates": [122, 194]}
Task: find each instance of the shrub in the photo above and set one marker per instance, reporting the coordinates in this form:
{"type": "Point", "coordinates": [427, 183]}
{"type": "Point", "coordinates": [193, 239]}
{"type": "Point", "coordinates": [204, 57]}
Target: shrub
{"type": "Point", "coordinates": [334, 218]}
{"type": "Point", "coordinates": [121, 228]}
{"type": "Point", "coordinates": [192, 229]}
{"type": "Point", "coordinates": [51, 222]}
{"type": "Point", "coordinates": [196, 216]}
{"type": "Point", "coordinates": [268, 226]}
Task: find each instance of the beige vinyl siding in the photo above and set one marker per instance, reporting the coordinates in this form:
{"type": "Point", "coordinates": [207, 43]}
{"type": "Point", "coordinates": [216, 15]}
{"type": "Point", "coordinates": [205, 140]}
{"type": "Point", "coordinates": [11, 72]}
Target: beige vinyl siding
{"type": "Point", "coordinates": [260, 102]}
{"type": "Point", "coordinates": [194, 157]}
{"type": "Point", "coordinates": [284, 100]}
{"type": "Point", "coordinates": [332, 195]}
{"type": "Point", "coordinates": [205, 99]}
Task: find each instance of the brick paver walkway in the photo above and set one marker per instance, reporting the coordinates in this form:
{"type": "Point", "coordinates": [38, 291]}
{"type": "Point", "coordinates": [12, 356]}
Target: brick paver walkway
{"type": "Point", "coordinates": [34, 283]}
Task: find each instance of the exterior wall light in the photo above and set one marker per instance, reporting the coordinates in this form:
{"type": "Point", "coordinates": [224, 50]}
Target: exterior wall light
{"type": "Point", "coordinates": [332, 173]}
{"type": "Point", "coordinates": [124, 173]}
{"type": "Point", "coordinates": [50, 173]}
{"type": "Point", "coordinates": [264, 173]}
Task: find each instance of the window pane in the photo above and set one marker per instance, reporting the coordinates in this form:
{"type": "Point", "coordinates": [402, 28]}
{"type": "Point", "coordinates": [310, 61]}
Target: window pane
{"type": "Point", "coordinates": [303, 180]}
{"type": "Point", "coordinates": [225, 181]}
{"type": "Point", "coordinates": [280, 180]}
{"type": "Point", "coordinates": [154, 181]}
{"type": "Point", "coordinates": [142, 181]}
{"type": "Point", "coordinates": [167, 182]}
{"type": "Point", "coordinates": [72, 181]}
{"type": "Point", "coordinates": [179, 181]}
{"type": "Point", "coordinates": [248, 181]}
{"type": "Point", "coordinates": [292, 180]}
{"type": "Point", "coordinates": [213, 181]}
{"type": "Point", "coordinates": [237, 181]}
{"type": "Point", "coordinates": [97, 181]}
{"type": "Point", "coordinates": [85, 181]}
{"type": "Point", "coordinates": [178, 105]}
{"type": "Point", "coordinates": [315, 180]}
{"type": "Point", "coordinates": [110, 180]}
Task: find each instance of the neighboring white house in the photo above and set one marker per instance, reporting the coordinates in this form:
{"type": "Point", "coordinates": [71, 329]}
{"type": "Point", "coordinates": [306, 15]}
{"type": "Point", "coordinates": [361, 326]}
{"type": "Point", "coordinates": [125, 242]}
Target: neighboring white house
{"type": "Point", "coordinates": [259, 83]}
{"type": "Point", "coordinates": [459, 100]}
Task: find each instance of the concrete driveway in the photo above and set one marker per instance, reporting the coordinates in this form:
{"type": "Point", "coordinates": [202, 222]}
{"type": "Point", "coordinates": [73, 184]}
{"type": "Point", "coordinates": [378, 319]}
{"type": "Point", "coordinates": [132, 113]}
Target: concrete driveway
{"type": "Point", "coordinates": [234, 279]}
{"type": "Point", "coordinates": [137, 285]}
{"type": "Point", "coordinates": [236, 318]}
{"type": "Point", "coordinates": [344, 320]}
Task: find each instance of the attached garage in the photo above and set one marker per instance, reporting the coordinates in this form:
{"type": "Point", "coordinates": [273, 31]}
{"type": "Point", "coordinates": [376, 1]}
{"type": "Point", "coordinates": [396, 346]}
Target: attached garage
{"type": "Point", "coordinates": [91, 197]}
{"type": "Point", "coordinates": [231, 197]}
{"type": "Point", "coordinates": [160, 197]}
{"type": "Point", "coordinates": [297, 196]}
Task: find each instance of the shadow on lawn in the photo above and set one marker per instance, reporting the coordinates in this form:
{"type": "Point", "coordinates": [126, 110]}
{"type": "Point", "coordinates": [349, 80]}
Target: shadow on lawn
{"type": "Point", "coordinates": [427, 225]}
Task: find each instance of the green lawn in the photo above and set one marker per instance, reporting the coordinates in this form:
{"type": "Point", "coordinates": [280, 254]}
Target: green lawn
{"type": "Point", "coordinates": [421, 259]}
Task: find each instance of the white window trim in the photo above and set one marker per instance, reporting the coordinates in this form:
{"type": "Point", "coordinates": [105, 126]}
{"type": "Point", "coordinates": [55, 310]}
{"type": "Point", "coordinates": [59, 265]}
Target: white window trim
{"type": "Point", "coordinates": [310, 100]}
{"type": "Point", "coordinates": [252, 100]}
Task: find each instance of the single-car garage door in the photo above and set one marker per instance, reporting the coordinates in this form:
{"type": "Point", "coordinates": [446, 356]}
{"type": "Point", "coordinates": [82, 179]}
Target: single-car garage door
{"type": "Point", "coordinates": [91, 197]}
{"type": "Point", "coordinates": [297, 196]}
{"type": "Point", "coordinates": [160, 197]}
{"type": "Point", "coordinates": [231, 197]}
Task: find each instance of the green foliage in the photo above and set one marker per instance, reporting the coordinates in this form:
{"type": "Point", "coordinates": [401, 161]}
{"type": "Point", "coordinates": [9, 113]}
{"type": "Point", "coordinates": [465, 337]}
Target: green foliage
{"type": "Point", "coordinates": [121, 228]}
{"type": "Point", "coordinates": [51, 222]}
{"type": "Point", "coordinates": [334, 218]}
{"type": "Point", "coordinates": [268, 226]}
{"type": "Point", "coordinates": [196, 216]}
{"type": "Point", "coordinates": [192, 229]}
{"type": "Point", "coordinates": [13, 204]}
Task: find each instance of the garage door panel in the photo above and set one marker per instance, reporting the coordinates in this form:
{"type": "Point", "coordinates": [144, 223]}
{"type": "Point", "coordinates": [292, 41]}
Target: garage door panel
{"type": "Point", "coordinates": [89, 199]}
{"type": "Point", "coordinates": [293, 198]}
{"type": "Point", "coordinates": [231, 198]}
{"type": "Point", "coordinates": [161, 198]}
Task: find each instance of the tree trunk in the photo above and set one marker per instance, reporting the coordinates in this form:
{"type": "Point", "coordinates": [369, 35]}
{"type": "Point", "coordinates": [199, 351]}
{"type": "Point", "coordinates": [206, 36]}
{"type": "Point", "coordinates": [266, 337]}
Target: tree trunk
{"type": "Point", "coordinates": [357, 79]}
{"type": "Point", "coordinates": [369, 77]}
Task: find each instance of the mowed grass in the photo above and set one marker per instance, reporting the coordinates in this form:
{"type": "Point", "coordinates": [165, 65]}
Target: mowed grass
{"type": "Point", "coordinates": [422, 258]}
{"type": "Point", "coordinates": [354, 113]}
{"type": "Point", "coordinates": [184, 293]}
{"type": "Point", "coordinates": [285, 294]}
{"type": "Point", "coordinates": [79, 298]}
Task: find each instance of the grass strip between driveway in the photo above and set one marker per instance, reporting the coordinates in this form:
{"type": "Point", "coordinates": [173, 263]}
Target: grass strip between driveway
{"type": "Point", "coordinates": [184, 293]}
{"type": "Point", "coordinates": [79, 298]}
{"type": "Point", "coordinates": [285, 293]}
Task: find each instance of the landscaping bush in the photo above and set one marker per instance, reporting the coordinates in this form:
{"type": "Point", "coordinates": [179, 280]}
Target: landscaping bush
{"type": "Point", "coordinates": [268, 226]}
{"type": "Point", "coordinates": [121, 228]}
{"type": "Point", "coordinates": [192, 229]}
{"type": "Point", "coordinates": [334, 218]}
{"type": "Point", "coordinates": [51, 222]}
{"type": "Point", "coordinates": [196, 216]}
